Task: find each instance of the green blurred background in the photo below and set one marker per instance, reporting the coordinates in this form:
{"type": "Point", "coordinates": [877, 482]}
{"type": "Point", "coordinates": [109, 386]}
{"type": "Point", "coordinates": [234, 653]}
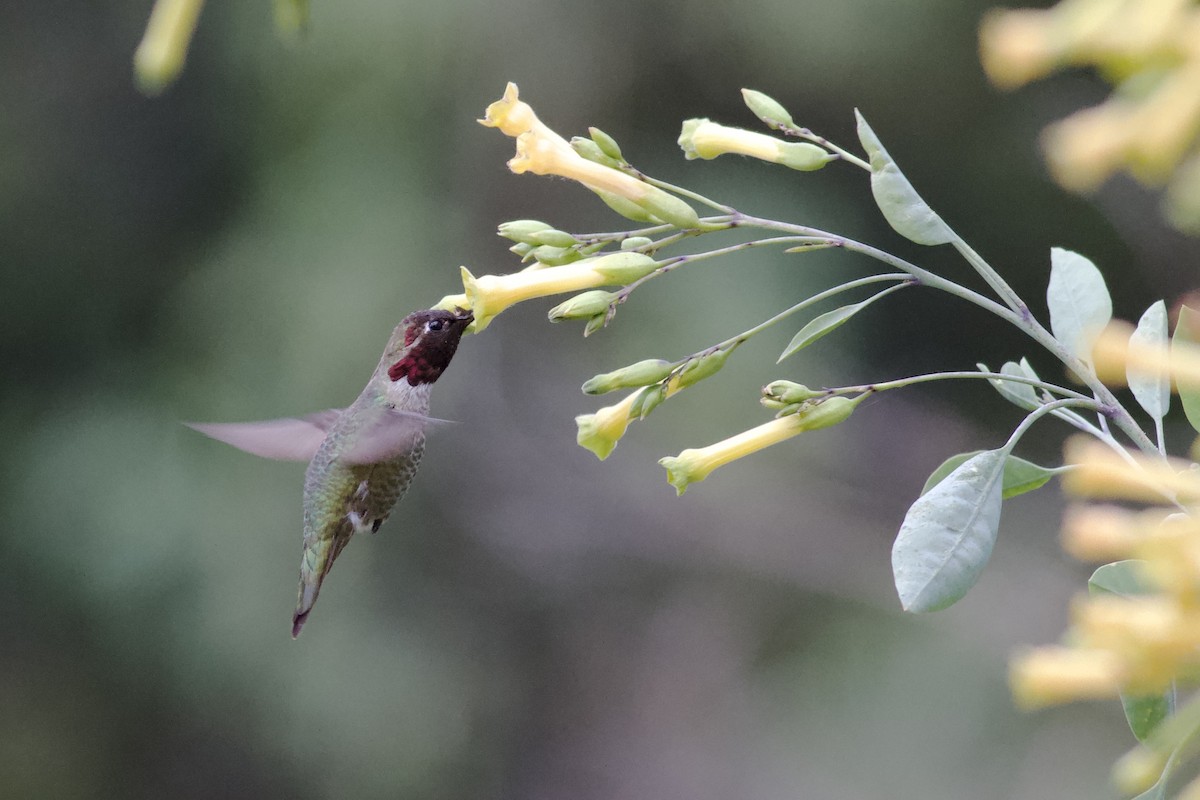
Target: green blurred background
{"type": "Point", "coordinates": [534, 624]}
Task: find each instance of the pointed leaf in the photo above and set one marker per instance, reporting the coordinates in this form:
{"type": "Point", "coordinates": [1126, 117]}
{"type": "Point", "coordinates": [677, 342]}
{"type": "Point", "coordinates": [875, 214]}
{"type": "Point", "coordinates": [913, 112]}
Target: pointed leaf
{"type": "Point", "coordinates": [1021, 395]}
{"type": "Point", "coordinates": [1145, 711]}
{"type": "Point", "coordinates": [1020, 476]}
{"type": "Point", "coordinates": [1152, 389]}
{"type": "Point", "coordinates": [902, 207]}
{"type": "Point", "coordinates": [1187, 332]}
{"type": "Point", "coordinates": [1079, 303]}
{"type": "Point", "coordinates": [825, 323]}
{"type": "Point", "coordinates": [947, 535]}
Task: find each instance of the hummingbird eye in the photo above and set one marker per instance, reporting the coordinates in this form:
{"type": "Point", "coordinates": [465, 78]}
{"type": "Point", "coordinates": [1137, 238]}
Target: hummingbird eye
{"type": "Point", "coordinates": [435, 325]}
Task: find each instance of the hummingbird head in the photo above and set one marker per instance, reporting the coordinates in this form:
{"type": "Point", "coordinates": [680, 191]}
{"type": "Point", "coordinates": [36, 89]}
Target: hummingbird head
{"type": "Point", "coordinates": [423, 344]}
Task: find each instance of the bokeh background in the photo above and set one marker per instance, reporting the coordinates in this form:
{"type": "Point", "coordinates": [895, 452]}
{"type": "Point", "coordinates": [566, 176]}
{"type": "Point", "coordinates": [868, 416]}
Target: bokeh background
{"type": "Point", "coordinates": [532, 623]}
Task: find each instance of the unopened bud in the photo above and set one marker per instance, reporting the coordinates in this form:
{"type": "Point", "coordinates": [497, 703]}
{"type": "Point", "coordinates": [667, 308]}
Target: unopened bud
{"type": "Point", "coordinates": [647, 400]}
{"type": "Point", "coordinates": [553, 237]}
{"type": "Point", "coordinates": [593, 152]}
{"type": "Point", "coordinates": [767, 109]}
{"type": "Point", "coordinates": [583, 306]}
{"type": "Point", "coordinates": [702, 138]}
{"type": "Point", "coordinates": [788, 392]}
{"type": "Point", "coordinates": [828, 412]}
{"type": "Point", "coordinates": [624, 268]}
{"type": "Point", "coordinates": [555, 256]}
{"type": "Point", "coordinates": [626, 207]}
{"type": "Point", "coordinates": [636, 242]}
{"type": "Point", "coordinates": [643, 373]}
{"type": "Point", "coordinates": [670, 208]}
{"type": "Point", "coordinates": [594, 324]}
{"type": "Point", "coordinates": [698, 369]}
{"type": "Point", "coordinates": [519, 230]}
{"type": "Point", "coordinates": [607, 144]}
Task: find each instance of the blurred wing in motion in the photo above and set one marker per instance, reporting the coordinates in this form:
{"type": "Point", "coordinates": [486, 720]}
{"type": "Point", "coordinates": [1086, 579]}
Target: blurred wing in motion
{"type": "Point", "coordinates": [388, 433]}
{"type": "Point", "coordinates": [287, 439]}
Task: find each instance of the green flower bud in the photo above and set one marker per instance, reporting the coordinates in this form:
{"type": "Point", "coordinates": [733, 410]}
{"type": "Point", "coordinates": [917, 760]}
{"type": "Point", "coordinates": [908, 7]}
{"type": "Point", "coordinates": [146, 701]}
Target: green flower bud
{"type": "Point", "coordinates": [788, 392]}
{"type": "Point", "coordinates": [519, 230]}
{"type": "Point", "coordinates": [553, 237]}
{"type": "Point", "coordinates": [828, 412]}
{"type": "Point", "coordinates": [624, 268]}
{"type": "Point", "coordinates": [643, 373]}
{"type": "Point", "coordinates": [626, 207]}
{"type": "Point", "coordinates": [555, 256]}
{"type": "Point", "coordinates": [607, 144]}
{"type": "Point", "coordinates": [647, 400]}
{"type": "Point", "coordinates": [698, 369]}
{"type": "Point", "coordinates": [593, 152]}
{"type": "Point", "coordinates": [583, 306]}
{"type": "Point", "coordinates": [803, 156]}
{"type": "Point", "coordinates": [636, 242]}
{"type": "Point", "coordinates": [594, 324]}
{"type": "Point", "coordinates": [670, 208]}
{"type": "Point", "coordinates": [767, 109]}
{"type": "Point", "coordinates": [522, 249]}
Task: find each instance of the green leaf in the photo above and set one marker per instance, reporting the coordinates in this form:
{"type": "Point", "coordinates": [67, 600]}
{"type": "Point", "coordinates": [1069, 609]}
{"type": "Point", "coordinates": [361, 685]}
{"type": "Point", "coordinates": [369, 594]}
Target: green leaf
{"type": "Point", "coordinates": [1187, 332]}
{"type": "Point", "coordinates": [1021, 395]}
{"type": "Point", "coordinates": [1143, 712]}
{"type": "Point", "coordinates": [902, 207]}
{"type": "Point", "coordinates": [947, 535]}
{"type": "Point", "coordinates": [1151, 389]}
{"type": "Point", "coordinates": [1078, 300]}
{"type": "Point", "coordinates": [1020, 476]}
{"type": "Point", "coordinates": [826, 323]}
{"type": "Point", "coordinates": [1121, 578]}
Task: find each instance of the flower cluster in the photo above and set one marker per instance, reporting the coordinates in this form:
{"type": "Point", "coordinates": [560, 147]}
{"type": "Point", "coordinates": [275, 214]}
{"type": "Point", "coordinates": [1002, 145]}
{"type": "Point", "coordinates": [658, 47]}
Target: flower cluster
{"type": "Point", "coordinates": [1150, 52]}
{"type": "Point", "coordinates": [1137, 635]}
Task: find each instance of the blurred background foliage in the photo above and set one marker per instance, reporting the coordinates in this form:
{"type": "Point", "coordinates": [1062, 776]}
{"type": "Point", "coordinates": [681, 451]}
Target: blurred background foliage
{"type": "Point", "coordinates": [531, 623]}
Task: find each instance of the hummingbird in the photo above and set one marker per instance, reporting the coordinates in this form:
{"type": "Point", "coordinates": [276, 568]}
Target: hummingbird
{"type": "Point", "coordinates": [361, 459]}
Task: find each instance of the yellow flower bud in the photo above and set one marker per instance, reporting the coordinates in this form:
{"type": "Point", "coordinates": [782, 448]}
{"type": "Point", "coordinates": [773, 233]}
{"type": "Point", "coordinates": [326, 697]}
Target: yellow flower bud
{"type": "Point", "coordinates": [702, 138]}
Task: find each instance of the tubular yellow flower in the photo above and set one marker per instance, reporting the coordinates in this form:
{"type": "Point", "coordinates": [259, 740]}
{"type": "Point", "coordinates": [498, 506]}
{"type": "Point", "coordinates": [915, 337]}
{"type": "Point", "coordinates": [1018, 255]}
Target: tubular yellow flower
{"type": "Point", "coordinates": [702, 138]}
{"type": "Point", "coordinates": [1113, 350]}
{"type": "Point", "coordinates": [160, 56]}
{"type": "Point", "coordinates": [1102, 473]}
{"type": "Point", "coordinates": [543, 152]}
{"type": "Point", "coordinates": [1084, 149]}
{"type": "Point", "coordinates": [1100, 533]}
{"type": "Point", "coordinates": [1015, 47]}
{"type": "Point", "coordinates": [601, 431]}
{"type": "Point", "coordinates": [694, 464]}
{"type": "Point", "coordinates": [1048, 675]}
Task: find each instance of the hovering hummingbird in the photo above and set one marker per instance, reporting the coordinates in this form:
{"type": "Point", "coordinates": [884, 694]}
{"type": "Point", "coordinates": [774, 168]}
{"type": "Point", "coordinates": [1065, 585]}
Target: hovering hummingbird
{"type": "Point", "coordinates": [362, 458]}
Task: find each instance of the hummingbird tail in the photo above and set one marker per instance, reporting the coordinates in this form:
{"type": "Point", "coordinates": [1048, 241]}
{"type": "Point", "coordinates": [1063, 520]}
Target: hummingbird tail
{"type": "Point", "coordinates": [298, 620]}
{"type": "Point", "coordinates": [308, 597]}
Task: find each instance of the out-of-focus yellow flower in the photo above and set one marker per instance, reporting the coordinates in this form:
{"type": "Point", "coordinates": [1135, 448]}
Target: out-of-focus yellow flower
{"type": "Point", "coordinates": [600, 432]}
{"type": "Point", "coordinates": [1149, 50]}
{"type": "Point", "coordinates": [159, 58]}
{"type": "Point", "coordinates": [543, 152]}
{"type": "Point", "coordinates": [702, 138]}
{"type": "Point", "coordinates": [694, 464]}
{"type": "Point", "coordinates": [1049, 675]}
{"type": "Point", "coordinates": [1138, 635]}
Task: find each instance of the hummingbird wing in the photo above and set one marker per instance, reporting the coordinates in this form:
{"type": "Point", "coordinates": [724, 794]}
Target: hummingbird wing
{"type": "Point", "coordinates": [287, 439]}
{"type": "Point", "coordinates": [387, 433]}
